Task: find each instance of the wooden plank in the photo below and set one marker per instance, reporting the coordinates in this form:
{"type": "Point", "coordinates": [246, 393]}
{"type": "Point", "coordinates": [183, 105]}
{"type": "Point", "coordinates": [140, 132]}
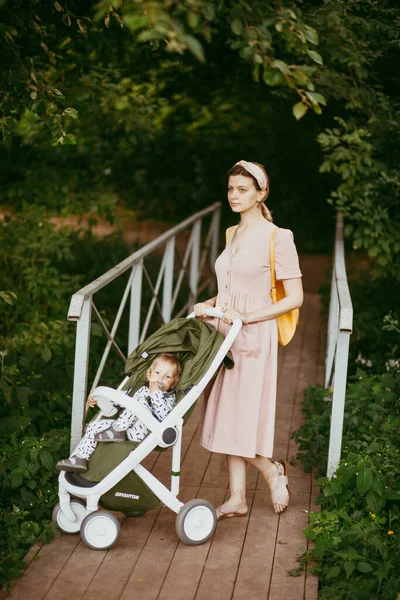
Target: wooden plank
{"type": "Point", "coordinates": [114, 572]}
{"type": "Point", "coordinates": [188, 562]}
{"type": "Point", "coordinates": [254, 572]}
{"type": "Point", "coordinates": [195, 462]}
{"type": "Point", "coordinates": [150, 570]}
{"type": "Point", "coordinates": [77, 574]}
{"type": "Point", "coordinates": [295, 519]}
{"type": "Point", "coordinates": [41, 573]}
{"type": "Point", "coordinates": [219, 574]}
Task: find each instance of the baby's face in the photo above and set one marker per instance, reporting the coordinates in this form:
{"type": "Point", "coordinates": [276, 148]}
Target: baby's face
{"type": "Point", "coordinates": [163, 374]}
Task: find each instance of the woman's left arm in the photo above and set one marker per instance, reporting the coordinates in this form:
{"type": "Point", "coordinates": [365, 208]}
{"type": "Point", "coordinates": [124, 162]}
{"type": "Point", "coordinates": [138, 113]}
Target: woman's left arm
{"type": "Point", "coordinates": [293, 299]}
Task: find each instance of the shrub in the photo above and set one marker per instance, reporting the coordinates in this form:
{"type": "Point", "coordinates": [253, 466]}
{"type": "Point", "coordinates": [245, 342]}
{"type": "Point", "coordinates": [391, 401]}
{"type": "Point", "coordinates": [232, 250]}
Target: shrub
{"type": "Point", "coordinates": [357, 532]}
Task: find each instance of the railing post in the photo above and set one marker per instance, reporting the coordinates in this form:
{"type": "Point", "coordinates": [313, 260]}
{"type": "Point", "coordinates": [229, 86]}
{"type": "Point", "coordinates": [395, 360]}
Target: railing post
{"type": "Point", "coordinates": [168, 280]}
{"type": "Point", "coordinates": [215, 238]}
{"type": "Point", "coordinates": [82, 346]}
{"type": "Point", "coordinates": [135, 303]}
{"type": "Point", "coordinates": [194, 262]}
{"type": "Point", "coordinates": [333, 325]}
{"type": "Point", "coordinates": [338, 401]}
{"type": "Point", "coordinates": [339, 329]}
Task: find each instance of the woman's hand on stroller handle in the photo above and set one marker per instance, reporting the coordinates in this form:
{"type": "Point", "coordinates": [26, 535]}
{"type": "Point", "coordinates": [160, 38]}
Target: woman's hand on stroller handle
{"type": "Point", "coordinates": [211, 311]}
{"type": "Point", "coordinates": [230, 315]}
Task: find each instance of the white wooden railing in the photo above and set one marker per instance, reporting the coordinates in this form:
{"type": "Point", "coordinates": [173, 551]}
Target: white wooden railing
{"type": "Point", "coordinates": [170, 275]}
{"type": "Point", "coordinates": [340, 326]}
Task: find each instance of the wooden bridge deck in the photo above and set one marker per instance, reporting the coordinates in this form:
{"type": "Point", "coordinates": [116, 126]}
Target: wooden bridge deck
{"type": "Point", "coordinates": [247, 559]}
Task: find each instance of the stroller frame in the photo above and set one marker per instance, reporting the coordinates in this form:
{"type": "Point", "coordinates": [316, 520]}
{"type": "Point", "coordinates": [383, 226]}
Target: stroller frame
{"type": "Point", "coordinates": [165, 433]}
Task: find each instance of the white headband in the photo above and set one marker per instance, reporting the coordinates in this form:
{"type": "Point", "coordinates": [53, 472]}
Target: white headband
{"type": "Point", "coordinates": [254, 170]}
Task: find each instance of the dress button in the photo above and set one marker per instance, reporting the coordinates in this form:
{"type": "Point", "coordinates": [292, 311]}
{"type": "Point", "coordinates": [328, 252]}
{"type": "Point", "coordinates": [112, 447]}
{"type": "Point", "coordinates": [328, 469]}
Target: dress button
{"type": "Point", "coordinates": [226, 287]}
{"type": "Point", "coordinates": [225, 303]}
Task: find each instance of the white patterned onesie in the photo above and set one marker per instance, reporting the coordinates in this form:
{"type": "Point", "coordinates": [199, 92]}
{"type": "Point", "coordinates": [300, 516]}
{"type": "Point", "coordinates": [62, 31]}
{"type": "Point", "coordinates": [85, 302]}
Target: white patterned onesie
{"type": "Point", "coordinates": [158, 403]}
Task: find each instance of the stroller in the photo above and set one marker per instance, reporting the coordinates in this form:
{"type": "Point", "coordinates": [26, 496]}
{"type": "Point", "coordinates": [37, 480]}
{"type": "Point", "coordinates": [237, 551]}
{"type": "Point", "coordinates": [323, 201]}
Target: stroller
{"type": "Point", "coordinates": [116, 480]}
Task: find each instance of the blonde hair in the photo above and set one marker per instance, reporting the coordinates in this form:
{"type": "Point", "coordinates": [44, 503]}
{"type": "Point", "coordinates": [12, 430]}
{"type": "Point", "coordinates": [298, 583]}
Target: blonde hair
{"type": "Point", "coordinates": [240, 170]}
{"type": "Point", "coordinates": [171, 361]}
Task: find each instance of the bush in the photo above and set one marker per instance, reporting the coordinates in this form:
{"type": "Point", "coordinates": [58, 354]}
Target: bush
{"type": "Point", "coordinates": [29, 484]}
{"type": "Point", "coordinates": [357, 532]}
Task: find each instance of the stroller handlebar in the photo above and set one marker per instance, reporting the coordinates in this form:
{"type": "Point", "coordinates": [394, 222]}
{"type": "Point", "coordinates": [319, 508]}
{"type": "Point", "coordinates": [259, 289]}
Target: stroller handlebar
{"type": "Point", "coordinates": [213, 312]}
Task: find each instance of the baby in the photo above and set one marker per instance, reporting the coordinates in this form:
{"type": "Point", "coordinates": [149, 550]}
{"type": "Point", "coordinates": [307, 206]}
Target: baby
{"type": "Point", "coordinates": [162, 376]}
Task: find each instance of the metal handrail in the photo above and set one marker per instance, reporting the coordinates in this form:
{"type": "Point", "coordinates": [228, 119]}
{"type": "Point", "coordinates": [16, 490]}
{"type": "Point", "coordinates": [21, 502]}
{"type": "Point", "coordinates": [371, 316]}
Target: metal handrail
{"type": "Point", "coordinates": [82, 305]}
{"type": "Point", "coordinates": [340, 327]}
{"type": "Point", "coordinates": [77, 300]}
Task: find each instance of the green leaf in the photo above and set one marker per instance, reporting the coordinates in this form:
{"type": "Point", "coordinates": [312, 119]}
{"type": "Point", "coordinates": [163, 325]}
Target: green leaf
{"type": "Point", "coordinates": [349, 568]}
{"type": "Point", "coordinates": [272, 76]}
{"type": "Point", "coordinates": [135, 22]}
{"type": "Point", "coordinates": [71, 112]}
{"type": "Point", "coordinates": [332, 573]}
{"type": "Point", "coordinates": [364, 567]}
{"type": "Point", "coordinates": [364, 480]}
{"type": "Point", "coordinates": [195, 47]}
{"type": "Point", "coordinates": [299, 110]}
{"type": "Point", "coordinates": [6, 389]}
{"type": "Point", "coordinates": [46, 459]}
{"type": "Point", "coordinates": [316, 98]}
{"type": "Point", "coordinates": [310, 34]}
{"type": "Point", "coordinates": [8, 297]}
{"type": "Point", "coordinates": [374, 501]}
{"type": "Point", "coordinates": [209, 12]}
{"type": "Point", "coordinates": [336, 486]}
{"type": "Point", "coordinates": [317, 109]}
{"type": "Point", "coordinates": [315, 56]}
{"type": "Point", "coordinates": [28, 497]}
{"type": "Point", "coordinates": [46, 354]}
{"type": "Point", "coordinates": [70, 139]}
{"type": "Point", "coordinates": [16, 480]}
{"type": "Point", "coordinates": [237, 26]}
{"type": "Point", "coordinates": [193, 19]}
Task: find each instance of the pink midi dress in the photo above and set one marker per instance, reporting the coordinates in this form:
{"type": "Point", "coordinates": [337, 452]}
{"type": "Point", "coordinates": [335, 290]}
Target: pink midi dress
{"type": "Point", "coordinates": [240, 412]}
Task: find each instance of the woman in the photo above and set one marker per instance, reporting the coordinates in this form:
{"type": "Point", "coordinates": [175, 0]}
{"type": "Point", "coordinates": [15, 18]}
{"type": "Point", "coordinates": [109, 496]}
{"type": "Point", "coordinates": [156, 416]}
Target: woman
{"type": "Point", "coordinates": [240, 413]}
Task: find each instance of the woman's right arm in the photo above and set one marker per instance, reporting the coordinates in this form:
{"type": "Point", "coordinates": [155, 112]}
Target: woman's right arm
{"type": "Point", "coordinates": [199, 309]}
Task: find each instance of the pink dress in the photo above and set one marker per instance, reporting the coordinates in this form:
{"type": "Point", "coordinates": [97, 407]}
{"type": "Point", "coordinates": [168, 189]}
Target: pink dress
{"type": "Point", "coordinates": [240, 413]}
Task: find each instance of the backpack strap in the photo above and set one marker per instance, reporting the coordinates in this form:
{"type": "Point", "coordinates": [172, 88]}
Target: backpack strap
{"type": "Point", "coordinates": [272, 261]}
{"type": "Point", "coordinates": [228, 233]}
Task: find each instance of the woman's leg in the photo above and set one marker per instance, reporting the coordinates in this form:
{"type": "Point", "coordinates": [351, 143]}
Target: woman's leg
{"type": "Point", "coordinates": [236, 503]}
{"type": "Point", "coordinates": [269, 470]}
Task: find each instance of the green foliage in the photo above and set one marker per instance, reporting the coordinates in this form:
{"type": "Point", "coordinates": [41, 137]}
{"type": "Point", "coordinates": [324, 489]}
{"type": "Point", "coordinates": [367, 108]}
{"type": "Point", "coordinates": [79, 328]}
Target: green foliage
{"type": "Point", "coordinates": [29, 492]}
{"type": "Point", "coordinates": [44, 46]}
{"type": "Point", "coordinates": [374, 343]}
{"type": "Point", "coordinates": [368, 195]}
{"type": "Point", "coordinates": [357, 531]}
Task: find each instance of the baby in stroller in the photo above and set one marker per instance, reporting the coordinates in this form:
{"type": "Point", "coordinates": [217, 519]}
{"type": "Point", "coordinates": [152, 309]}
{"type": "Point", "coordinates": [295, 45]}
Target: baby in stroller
{"type": "Point", "coordinates": [161, 377]}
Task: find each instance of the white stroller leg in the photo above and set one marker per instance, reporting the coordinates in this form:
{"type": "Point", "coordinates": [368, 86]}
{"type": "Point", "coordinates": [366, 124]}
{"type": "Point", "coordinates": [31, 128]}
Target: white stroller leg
{"type": "Point", "coordinates": [64, 504]}
{"type": "Point", "coordinates": [158, 488]}
{"type": "Point", "coordinates": [176, 460]}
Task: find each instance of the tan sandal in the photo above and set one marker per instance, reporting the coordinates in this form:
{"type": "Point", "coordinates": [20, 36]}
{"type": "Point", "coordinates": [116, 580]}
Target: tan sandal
{"type": "Point", "coordinates": [280, 494]}
{"type": "Point", "coordinates": [231, 511]}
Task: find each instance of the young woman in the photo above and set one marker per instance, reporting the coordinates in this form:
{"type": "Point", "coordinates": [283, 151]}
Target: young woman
{"type": "Point", "coordinates": [240, 413]}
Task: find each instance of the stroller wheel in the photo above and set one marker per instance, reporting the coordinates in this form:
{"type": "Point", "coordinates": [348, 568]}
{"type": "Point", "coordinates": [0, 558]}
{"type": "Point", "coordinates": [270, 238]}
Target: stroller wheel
{"type": "Point", "coordinates": [196, 522]}
{"type": "Point", "coordinates": [78, 507]}
{"type": "Point", "coordinates": [100, 530]}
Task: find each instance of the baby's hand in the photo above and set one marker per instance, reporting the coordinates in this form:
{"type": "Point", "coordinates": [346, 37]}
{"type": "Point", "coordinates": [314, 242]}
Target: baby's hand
{"type": "Point", "coordinates": [92, 402]}
{"type": "Point", "coordinates": [153, 386]}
